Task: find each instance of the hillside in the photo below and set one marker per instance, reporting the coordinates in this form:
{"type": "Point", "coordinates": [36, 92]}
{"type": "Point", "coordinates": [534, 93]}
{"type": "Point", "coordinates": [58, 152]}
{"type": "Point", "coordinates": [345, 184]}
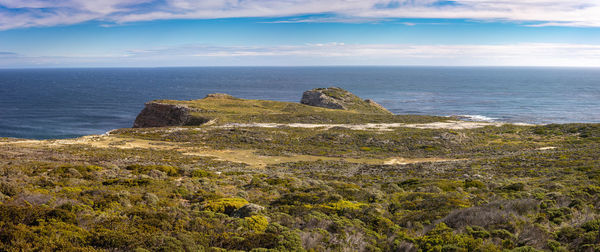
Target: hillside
{"type": "Point", "coordinates": [225, 173]}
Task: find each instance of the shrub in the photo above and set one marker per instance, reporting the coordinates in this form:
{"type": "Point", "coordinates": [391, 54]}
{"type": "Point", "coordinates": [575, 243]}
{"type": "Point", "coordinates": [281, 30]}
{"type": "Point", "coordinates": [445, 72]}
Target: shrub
{"type": "Point", "coordinates": [144, 169]}
{"type": "Point", "coordinates": [343, 205]}
{"type": "Point", "coordinates": [199, 173]}
{"type": "Point", "coordinates": [502, 234]}
{"type": "Point", "coordinates": [442, 238]}
{"type": "Point", "coordinates": [255, 224]}
{"type": "Point", "coordinates": [476, 216]}
{"type": "Point", "coordinates": [110, 239]}
{"type": "Point", "coordinates": [474, 183]}
{"type": "Point", "coordinates": [478, 232]}
{"type": "Point", "coordinates": [225, 205]}
{"type": "Point", "coordinates": [558, 215]}
{"type": "Point", "coordinates": [127, 182]}
{"type": "Point", "coordinates": [514, 187]}
{"type": "Point", "coordinates": [590, 226]}
{"type": "Point", "coordinates": [9, 189]}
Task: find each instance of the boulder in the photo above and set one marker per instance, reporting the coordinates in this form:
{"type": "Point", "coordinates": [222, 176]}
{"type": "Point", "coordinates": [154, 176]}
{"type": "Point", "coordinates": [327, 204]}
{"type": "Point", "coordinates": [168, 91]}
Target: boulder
{"type": "Point", "coordinates": [337, 98]}
{"type": "Point", "coordinates": [160, 115]}
{"type": "Point", "coordinates": [247, 210]}
{"type": "Point", "coordinates": [157, 114]}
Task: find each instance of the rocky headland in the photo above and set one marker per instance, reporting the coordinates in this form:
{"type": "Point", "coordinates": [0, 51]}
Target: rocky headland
{"type": "Point", "coordinates": [331, 173]}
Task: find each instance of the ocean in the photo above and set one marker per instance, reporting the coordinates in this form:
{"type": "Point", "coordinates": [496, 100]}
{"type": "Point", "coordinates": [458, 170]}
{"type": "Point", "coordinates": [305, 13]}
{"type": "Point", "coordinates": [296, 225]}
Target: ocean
{"type": "Point", "coordinates": [65, 103]}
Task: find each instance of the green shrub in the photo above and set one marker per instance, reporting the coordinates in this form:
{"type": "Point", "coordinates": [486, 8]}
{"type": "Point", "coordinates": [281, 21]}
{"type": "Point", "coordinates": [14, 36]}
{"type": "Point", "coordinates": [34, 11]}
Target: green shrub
{"type": "Point", "coordinates": [144, 169]}
{"type": "Point", "coordinates": [590, 226]}
{"type": "Point", "coordinates": [474, 183]}
{"type": "Point", "coordinates": [9, 189]}
{"type": "Point", "coordinates": [255, 223]}
{"type": "Point", "coordinates": [199, 173]}
{"type": "Point", "coordinates": [558, 215]}
{"type": "Point", "coordinates": [502, 234]}
{"type": "Point", "coordinates": [478, 232]}
{"type": "Point", "coordinates": [127, 182]}
{"type": "Point", "coordinates": [225, 205]}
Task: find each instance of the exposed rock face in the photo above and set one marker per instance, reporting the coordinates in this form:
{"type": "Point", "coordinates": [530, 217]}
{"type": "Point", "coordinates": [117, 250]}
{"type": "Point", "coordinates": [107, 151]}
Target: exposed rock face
{"type": "Point", "coordinates": [161, 115]}
{"type": "Point", "coordinates": [337, 98]}
{"type": "Point", "coordinates": [317, 98]}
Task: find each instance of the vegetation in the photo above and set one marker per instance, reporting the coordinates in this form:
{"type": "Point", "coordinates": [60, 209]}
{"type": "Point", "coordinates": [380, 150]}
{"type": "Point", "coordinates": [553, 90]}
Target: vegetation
{"type": "Point", "coordinates": [227, 109]}
{"type": "Point", "coordinates": [508, 188]}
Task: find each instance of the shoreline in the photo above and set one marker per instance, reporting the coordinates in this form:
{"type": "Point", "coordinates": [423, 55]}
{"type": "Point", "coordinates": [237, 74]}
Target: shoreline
{"type": "Point", "coordinates": [450, 124]}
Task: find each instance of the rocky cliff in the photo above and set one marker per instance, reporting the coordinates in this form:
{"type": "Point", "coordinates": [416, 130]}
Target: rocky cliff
{"type": "Point", "coordinates": [337, 98]}
{"type": "Point", "coordinates": [157, 114]}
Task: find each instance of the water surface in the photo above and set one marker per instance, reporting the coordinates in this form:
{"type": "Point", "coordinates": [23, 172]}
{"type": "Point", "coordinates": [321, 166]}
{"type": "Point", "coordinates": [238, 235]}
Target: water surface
{"type": "Point", "coordinates": [61, 103]}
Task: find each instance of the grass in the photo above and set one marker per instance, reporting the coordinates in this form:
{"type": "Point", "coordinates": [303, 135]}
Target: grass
{"type": "Point", "coordinates": [235, 110]}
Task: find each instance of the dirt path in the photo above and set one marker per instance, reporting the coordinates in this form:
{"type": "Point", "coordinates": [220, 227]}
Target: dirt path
{"type": "Point", "coordinates": [454, 125]}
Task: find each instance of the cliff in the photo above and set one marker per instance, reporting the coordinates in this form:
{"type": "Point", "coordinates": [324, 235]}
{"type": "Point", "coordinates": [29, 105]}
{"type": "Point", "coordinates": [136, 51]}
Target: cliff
{"type": "Point", "coordinates": [156, 114]}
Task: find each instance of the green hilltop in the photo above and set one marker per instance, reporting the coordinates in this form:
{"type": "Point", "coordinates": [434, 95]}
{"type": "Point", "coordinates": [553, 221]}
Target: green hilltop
{"type": "Point", "coordinates": [223, 108]}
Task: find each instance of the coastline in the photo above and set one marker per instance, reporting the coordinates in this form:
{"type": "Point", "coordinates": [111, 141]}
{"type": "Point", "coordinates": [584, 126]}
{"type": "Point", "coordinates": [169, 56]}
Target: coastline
{"type": "Point", "coordinates": [224, 173]}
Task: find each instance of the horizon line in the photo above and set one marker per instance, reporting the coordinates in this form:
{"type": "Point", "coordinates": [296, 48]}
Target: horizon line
{"type": "Point", "coordinates": [292, 66]}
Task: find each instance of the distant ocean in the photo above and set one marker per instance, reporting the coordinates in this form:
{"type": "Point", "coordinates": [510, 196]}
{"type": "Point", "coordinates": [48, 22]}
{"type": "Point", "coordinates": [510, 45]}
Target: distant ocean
{"type": "Point", "coordinates": [63, 103]}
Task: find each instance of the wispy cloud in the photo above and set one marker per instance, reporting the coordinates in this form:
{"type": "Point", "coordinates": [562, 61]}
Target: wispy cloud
{"type": "Point", "coordinates": [8, 54]}
{"type": "Point", "coordinates": [335, 53]}
{"type": "Point", "coordinates": [33, 13]}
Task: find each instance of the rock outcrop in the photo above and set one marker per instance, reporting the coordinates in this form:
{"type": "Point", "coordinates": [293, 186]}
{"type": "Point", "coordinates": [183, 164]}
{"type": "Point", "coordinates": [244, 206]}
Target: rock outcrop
{"type": "Point", "coordinates": [248, 210]}
{"type": "Point", "coordinates": [157, 114]}
{"type": "Point", "coordinates": [318, 98]}
{"type": "Point", "coordinates": [160, 114]}
{"type": "Point", "coordinates": [337, 98]}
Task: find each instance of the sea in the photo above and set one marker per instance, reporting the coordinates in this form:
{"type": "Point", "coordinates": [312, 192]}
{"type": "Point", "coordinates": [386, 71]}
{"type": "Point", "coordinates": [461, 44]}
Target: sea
{"type": "Point", "coordinates": [68, 103]}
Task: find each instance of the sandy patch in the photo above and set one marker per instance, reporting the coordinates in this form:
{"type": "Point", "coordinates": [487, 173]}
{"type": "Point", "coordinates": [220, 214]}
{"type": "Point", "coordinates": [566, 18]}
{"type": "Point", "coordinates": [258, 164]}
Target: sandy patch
{"type": "Point", "coordinates": [17, 142]}
{"type": "Point", "coordinates": [405, 161]}
{"type": "Point", "coordinates": [248, 156]}
{"type": "Point", "coordinates": [455, 125]}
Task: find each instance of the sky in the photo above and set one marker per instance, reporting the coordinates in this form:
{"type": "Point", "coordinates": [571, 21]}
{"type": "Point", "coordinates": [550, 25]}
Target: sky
{"type": "Point", "coordinates": [168, 33]}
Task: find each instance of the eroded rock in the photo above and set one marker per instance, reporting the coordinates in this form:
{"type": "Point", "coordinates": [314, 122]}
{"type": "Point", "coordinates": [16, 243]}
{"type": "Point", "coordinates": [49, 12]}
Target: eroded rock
{"type": "Point", "coordinates": [338, 98]}
{"type": "Point", "coordinates": [157, 114]}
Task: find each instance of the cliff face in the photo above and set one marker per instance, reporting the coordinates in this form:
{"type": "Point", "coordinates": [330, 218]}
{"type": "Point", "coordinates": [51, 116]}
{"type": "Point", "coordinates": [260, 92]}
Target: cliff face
{"type": "Point", "coordinates": [160, 115]}
{"type": "Point", "coordinates": [337, 98]}
{"type": "Point", "coordinates": [317, 98]}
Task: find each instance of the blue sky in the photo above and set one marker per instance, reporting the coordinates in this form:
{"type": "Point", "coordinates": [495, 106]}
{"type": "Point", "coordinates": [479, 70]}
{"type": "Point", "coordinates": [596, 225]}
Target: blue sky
{"type": "Point", "coordinates": [150, 33]}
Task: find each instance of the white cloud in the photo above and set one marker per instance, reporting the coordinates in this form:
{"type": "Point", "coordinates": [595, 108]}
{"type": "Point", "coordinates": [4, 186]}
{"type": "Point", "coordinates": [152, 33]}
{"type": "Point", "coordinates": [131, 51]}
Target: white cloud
{"type": "Point", "coordinates": [28, 13]}
{"type": "Point", "coordinates": [527, 54]}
